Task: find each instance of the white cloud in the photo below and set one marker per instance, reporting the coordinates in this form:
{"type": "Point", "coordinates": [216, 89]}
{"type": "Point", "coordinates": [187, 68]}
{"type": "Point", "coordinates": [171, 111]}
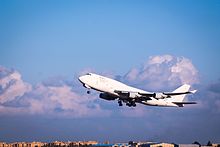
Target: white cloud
{"type": "Point", "coordinates": [163, 71]}
{"type": "Point", "coordinates": [62, 101]}
{"type": "Point", "coordinates": [159, 59]}
{"type": "Point", "coordinates": [57, 97]}
{"type": "Point", "coordinates": [45, 99]}
{"type": "Point", "coordinates": [185, 71]}
{"type": "Point", "coordinates": [132, 74]}
{"type": "Point", "coordinates": [7, 110]}
{"type": "Point", "coordinates": [12, 86]}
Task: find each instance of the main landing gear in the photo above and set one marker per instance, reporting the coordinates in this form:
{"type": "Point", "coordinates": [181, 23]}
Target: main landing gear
{"type": "Point", "coordinates": [128, 103]}
{"type": "Point", "coordinates": [120, 103]}
{"type": "Point", "coordinates": [131, 104]}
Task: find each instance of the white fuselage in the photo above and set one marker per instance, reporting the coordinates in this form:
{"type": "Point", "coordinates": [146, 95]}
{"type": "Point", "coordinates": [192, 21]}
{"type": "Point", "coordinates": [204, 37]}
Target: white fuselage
{"type": "Point", "coordinates": [107, 85]}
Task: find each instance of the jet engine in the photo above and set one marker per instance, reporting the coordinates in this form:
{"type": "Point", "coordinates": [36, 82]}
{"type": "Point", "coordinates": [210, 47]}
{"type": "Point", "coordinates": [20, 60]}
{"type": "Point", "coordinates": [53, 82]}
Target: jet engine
{"type": "Point", "coordinates": [107, 96]}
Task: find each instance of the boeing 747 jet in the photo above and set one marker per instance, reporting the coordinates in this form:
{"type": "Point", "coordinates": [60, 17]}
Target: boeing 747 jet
{"type": "Point", "coordinates": [114, 90]}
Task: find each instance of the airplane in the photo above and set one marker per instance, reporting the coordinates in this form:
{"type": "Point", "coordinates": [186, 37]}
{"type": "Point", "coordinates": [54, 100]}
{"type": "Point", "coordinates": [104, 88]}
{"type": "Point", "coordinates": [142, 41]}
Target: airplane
{"type": "Point", "coordinates": [114, 90]}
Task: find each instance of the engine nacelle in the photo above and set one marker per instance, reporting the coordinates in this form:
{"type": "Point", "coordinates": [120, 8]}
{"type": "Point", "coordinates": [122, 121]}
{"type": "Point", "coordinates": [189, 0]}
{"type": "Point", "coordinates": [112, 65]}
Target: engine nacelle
{"type": "Point", "coordinates": [107, 96]}
{"type": "Point", "coordinates": [160, 96]}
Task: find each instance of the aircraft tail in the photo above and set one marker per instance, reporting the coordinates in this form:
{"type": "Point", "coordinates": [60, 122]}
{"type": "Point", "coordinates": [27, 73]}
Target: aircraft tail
{"type": "Point", "coordinates": [180, 98]}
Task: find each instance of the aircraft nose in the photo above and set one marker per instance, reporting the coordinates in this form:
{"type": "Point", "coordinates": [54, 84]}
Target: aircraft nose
{"type": "Point", "coordinates": [85, 79]}
{"type": "Point", "coordinates": [81, 79]}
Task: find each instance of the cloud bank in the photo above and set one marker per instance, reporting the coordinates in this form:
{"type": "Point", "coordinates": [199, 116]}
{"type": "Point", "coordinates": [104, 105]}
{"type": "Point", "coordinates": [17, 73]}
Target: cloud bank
{"type": "Point", "coordinates": [53, 97]}
{"type": "Point", "coordinates": [160, 72]}
{"type": "Point", "coordinates": [11, 85]}
{"type": "Point", "coordinates": [61, 97]}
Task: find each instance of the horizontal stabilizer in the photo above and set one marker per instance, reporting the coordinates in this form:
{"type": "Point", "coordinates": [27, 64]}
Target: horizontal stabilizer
{"type": "Point", "coordinates": [181, 104]}
{"type": "Point", "coordinates": [178, 103]}
{"type": "Point", "coordinates": [193, 91]}
{"type": "Point", "coordinates": [179, 93]}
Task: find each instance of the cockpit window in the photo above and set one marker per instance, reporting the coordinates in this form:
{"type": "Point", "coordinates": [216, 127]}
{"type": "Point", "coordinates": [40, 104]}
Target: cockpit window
{"type": "Point", "coordinates": [89, 74]}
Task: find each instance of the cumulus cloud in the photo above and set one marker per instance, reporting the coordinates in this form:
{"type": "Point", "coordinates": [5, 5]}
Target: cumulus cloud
{"type": "Point", "coordinates": [11, 85]}
{"type": "Point", "coordinates": [55, 97]}
{"type": "Point", "coordinates": [62, 101]}
{"type": "Point", "coordinates": [163, 71]}
{"type": "Point", "coordinates": [59, 96]}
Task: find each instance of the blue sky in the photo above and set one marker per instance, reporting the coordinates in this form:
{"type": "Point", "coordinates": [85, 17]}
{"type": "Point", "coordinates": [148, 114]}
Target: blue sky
{"type": "Point", "coordinates": [58, 37]}
{"type": "Point", "coordinates": [51, 42]}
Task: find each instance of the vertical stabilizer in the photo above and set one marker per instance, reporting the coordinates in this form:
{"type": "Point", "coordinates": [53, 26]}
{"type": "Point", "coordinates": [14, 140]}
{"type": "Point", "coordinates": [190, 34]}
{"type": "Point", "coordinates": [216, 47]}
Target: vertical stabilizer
{"type": "Point", "coordinates": [180, 98]}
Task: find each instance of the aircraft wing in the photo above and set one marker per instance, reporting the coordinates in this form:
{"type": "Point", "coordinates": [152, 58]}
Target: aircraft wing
{"type": "Point", "coordinates": [181, 104]}
{"type": "Point", "coordinates": [166, 94]}
{"type": "Point", "coordinates": [121, 91]}
{"type": "Point", "coordinates": [132, 94]}
{"type": "Point", "coordinates": [148, 96]}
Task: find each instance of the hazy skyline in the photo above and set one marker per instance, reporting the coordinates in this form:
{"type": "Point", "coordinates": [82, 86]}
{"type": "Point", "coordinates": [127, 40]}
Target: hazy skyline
{"type": "Point", "coordinates": [154, 45]}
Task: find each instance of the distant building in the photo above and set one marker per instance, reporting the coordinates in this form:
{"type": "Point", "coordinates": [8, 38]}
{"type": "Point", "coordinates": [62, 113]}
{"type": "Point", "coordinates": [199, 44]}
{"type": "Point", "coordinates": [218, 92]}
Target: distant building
{"type": "Point", "coordinates": [35, 144]}
{"type": "Point", "coordinates": [189, 145]}
{"type": "Point", "coordinates": [70, 144]}
{"type": "Point", "coordinates": [158, 145]}
{"type": "Point", "coordinates": [3, 144]}
{"type": "Point", "coordinates": [96, 144]}
{"type": "Point", "coordinates": [216, 144]}
{"type": "Point", "coordinates": [88, 142]}
{"type": "Point", "coordinates": [140, 144]}
{"type": "Point", "coordinates": [111, 145]}
{"type": "Point", "coordinates": [26, 144]}
{"type": "Point", "coordinates": [18, 144]}
{"type": "Point", "coordinates": [57, 143]}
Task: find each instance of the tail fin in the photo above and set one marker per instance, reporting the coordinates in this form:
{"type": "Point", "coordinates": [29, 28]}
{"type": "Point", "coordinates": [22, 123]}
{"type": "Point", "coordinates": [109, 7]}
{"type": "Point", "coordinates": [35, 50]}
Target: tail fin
{"type": "Point", "coordinates": [180, 98]}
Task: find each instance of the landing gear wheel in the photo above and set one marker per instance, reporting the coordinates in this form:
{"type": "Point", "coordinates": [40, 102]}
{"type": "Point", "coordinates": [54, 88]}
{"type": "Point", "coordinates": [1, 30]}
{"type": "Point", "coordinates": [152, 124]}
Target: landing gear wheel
{"type": "Point", "coordinates": [88, 92]}
{"type": "Point", "coordinates": [131, 104]}
{"type": "Point", "coordinates": [120, 103]}
{"type": "Point", "coordinates": [128, 104]}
